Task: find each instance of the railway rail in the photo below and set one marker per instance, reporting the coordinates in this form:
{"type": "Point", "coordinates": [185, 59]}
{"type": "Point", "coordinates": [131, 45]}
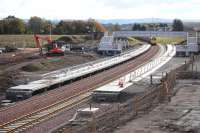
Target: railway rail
{"type": "Point", "coordinates": [34, 110]}
{"type": "Point", "coordinates": [43, 114]}
{"type": "Point", "coordinates": [64, 76]}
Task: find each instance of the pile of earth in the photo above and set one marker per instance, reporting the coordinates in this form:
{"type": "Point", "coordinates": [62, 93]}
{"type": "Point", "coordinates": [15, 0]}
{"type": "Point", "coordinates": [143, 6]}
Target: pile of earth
{"type": "Point", "coordinates": [9, 79]}
{"type": "Point", "coordinates": [75, 39]}
{"type": "Point", "coordinates": [32, 67]}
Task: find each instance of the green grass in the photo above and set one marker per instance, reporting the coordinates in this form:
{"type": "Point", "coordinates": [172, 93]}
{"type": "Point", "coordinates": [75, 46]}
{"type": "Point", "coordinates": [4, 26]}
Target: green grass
{"type": "Point", "coordinates": [29, 42]}
{"type": "Point", "coordinates": [133, 41]}
{"type": "Point", "coordinates": [21, 40]}
{"type": "Point", "coordinates": [169, 40]}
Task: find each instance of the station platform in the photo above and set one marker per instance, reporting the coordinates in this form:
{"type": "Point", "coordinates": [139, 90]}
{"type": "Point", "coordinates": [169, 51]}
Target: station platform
{"type": "Point", "coordinates": [135, 82]}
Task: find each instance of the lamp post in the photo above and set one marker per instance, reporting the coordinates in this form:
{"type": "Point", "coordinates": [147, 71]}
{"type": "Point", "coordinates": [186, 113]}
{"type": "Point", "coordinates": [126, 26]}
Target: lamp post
{"type": "Point", "coordinates": [50, 30]}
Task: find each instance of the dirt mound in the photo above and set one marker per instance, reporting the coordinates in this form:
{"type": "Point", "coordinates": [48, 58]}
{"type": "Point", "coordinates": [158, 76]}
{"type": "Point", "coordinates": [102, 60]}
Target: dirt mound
{"type": "Point", "coordinates": [74, 39]}
{"type": "Point", "coordinates": [33, 67]}
{"type": "Point", "coordinates": [67, 39]}
{"type": "Point", "coordinates": [7, 79]}
{"type": "Point", "coordinates": [87, 37]}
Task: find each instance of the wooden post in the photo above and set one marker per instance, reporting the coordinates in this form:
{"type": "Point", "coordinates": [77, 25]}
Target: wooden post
{"type": "Point", "coordinates": [185, 65]}
{"type": "Point", "coordinates": [93, 124]}
{"type": "Point", "coordinates": [90, 106]}
{"type": "Point", "coordinates": [162, 91]}
{"type": "Point", "coordinates": [118, 113]}
{"type": "Point", "coordinates": [192, 66]}
{"type": "Point", "coordinates": [196, 69]}
{"type": "Point", "coordinates": [135, 106]}
{"type": "Point", "coordinates": [151, 79]}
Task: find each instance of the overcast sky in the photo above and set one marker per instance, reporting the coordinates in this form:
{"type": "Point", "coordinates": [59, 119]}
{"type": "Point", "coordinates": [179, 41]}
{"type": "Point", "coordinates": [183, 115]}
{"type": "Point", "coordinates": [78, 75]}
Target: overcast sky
{"type": "Point", "coordinates": [101, 9]}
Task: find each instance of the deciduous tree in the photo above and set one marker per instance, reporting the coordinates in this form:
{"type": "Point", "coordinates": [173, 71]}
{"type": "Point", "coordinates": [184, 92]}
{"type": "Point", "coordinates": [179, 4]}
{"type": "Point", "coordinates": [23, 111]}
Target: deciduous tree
{"type": "Point", "coordinates": [177, 25]}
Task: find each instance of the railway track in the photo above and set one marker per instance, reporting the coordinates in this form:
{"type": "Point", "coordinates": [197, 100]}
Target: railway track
{"type": "Point", "coordinates": [34, 118]}
{"type": "Point", "coordinates": [64, 98]}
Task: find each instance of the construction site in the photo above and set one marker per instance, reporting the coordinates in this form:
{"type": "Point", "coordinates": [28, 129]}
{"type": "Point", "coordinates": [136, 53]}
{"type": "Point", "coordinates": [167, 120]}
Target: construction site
{"type": "Point", "coordinates": [27, 63]}
{"type": "Point", "coordinates": [100, 81]}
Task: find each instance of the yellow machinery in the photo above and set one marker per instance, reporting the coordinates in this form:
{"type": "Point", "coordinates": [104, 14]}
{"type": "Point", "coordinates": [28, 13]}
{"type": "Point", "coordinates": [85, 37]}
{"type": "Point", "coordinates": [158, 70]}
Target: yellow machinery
{"type": "Point", "coordinates": [153, 41]}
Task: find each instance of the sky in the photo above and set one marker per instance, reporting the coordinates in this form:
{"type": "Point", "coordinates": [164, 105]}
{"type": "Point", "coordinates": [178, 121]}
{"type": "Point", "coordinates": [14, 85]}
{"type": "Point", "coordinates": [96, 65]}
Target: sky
{"type": "Point", "coordinates": [101, 9]}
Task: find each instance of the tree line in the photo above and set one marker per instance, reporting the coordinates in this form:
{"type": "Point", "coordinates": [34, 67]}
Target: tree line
{"type": "Point", "coordinates": [37, 25]}
{"type": "Point", "coordinates": [177, 25]}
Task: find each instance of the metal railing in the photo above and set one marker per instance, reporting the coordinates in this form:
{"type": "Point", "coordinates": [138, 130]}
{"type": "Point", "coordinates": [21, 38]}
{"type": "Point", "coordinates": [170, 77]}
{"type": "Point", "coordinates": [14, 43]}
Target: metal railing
{"type": "Point", "coordinates": [101, 63]}
{"type": "Point", "coordinates": [149, 34]}
{"type": "Point", "coordinates": [154, 64]}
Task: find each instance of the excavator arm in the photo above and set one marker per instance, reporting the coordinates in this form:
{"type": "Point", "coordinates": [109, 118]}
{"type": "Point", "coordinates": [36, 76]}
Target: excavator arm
{"type": "Point", "coordinates": [38, 38]}
{"type": "Point", "coordinates": [53, 47]}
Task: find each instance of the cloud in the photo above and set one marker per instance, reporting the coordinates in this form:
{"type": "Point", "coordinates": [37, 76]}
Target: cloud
{"type": "Point", "coordinates": [100, 9]}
